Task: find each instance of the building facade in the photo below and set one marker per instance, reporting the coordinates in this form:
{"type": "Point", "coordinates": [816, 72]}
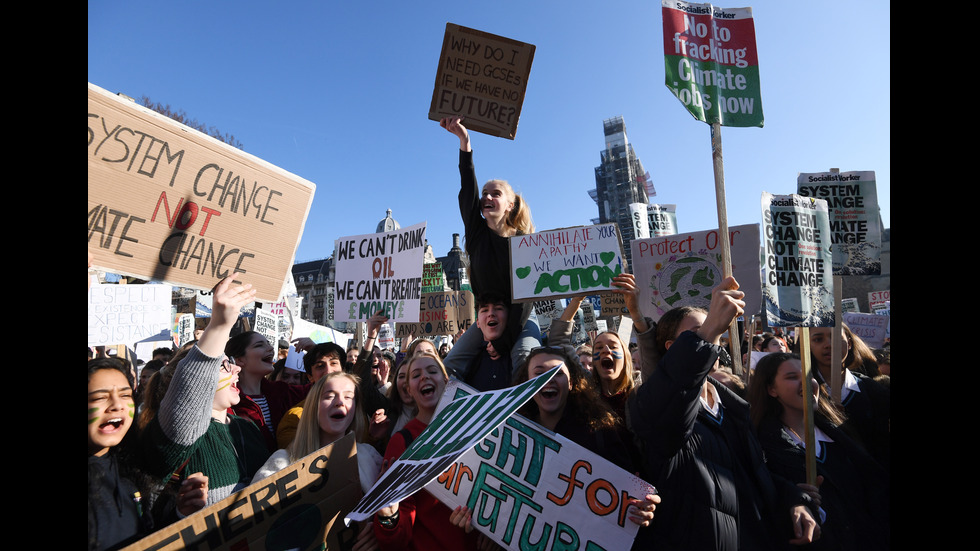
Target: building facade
{"type": "Point", "coordinates": [620, 180]}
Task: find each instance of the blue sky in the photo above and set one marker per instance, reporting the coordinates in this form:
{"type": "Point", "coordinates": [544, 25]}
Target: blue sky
{"type": "Point", "coordinates": [338, 93]}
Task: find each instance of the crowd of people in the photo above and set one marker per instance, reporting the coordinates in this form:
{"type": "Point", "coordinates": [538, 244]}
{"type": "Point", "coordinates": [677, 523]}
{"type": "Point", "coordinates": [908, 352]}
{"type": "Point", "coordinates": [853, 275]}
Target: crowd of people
{"type": "Point", "coordinates": [724, 452]}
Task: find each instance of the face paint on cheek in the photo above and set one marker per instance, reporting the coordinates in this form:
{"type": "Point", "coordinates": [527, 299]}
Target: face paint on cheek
{"type": "Point", "coordinates": [224, 383]}
{"type": "Point", "coordinates": [616, 354]}
{"type": "Point", "coordinates": [91, 411]}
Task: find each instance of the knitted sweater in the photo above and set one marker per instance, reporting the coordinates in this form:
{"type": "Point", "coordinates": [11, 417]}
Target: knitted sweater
{"type": "Point", "coordinates": [183, 429]}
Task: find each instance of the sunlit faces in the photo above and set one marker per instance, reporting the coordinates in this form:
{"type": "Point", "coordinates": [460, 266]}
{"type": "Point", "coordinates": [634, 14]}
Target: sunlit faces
{"type": "Point", "coordinates": [336, 411]}
{"type": "Point", "coordinates": [787, 386]}
{"type": "Point", "coordinates": [492, 320]}
{"type": "Point", "coordinates": [552, 397]}
{"type": "Point", "coordinates": [227, 394]}
{"type": "Point", "coordinates": [352, 355]}
{"type": "Point", "coordinates": [401, 384]}
{"type": "Point", "coordinates": [327, 363]}
{"type": "Point", "coordinates": [691, 322]}
{"type": "Point", "coordinates": [607, 356]}
{"type": "Point", "coordinates": [259, 357]}
{"type": "Point", "coordinates": [291, 376]}
{"type": "Point", "coordinates": [426, 346]}
{"type": "Point", "coordinates": [775, 345]}
{"type": "Point", "coordinates": [426, 382]}
{"type": "Point", "coordinates": [821, 342]}
{"type": "Point", "coordinates": [497, 199]}
{"type": "Point", "coordinates": [110, 410]}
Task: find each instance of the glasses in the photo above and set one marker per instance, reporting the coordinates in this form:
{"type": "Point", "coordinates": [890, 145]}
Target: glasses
{"type": "Point", "coordinates": [227, 365]}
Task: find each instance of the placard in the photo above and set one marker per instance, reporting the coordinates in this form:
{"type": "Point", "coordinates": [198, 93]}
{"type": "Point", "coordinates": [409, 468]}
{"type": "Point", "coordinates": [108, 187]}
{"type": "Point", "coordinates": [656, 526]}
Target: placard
{"type": "Point", "coordinates": [799, 279]}
{"type": "Point", "coordinates": [125, 314]}
{"type": "Point", "coordinates": [530, 488]}
{"type": "Point", "coordinates": [855, 229]}
{"type": "Point", "coordinates": [379, 272]}
{"type": "Point", "coordinates": [566, 262]}
{"type": "Point", "coordinates": [481, 77]}
{"type": "Point", "coordinates": [169, 203]}
{"type": "Point", "coordinates": [443, 313]}
{"type": "Point", "coordinates": [682, 269]}
{"type": "Point", "coordinates": [267, 324]}
{"type": "Point", "coordinates": [296, 508]}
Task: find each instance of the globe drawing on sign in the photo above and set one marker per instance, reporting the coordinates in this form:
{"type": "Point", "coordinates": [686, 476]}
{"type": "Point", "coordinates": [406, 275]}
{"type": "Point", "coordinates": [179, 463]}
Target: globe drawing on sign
{"type": "Point", "coordinates": [684, 282]}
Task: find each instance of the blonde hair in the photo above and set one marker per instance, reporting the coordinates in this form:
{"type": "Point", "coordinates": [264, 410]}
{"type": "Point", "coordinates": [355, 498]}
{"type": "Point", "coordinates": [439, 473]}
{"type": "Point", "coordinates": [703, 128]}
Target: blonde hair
{"type": "Point", "coordinates": [519, 217]}
{"type": "Point", "coordinates": [307, 438]}
{"type": "Point", "coordinates": [626, 381]}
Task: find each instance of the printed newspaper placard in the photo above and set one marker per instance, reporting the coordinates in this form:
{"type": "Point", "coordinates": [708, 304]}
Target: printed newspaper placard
{"type": "Point", "coordinates": [711, 62]}
{"type": "Point", "coordinates": [379, 272]}
{"type": "Point", "coordinates": [481, 77]}
{"type": "Point", "coordinates": [267, 324]}
{"type": "Point", "coordinates": [296, 508]}
{"type": "Point", "coordinates": [455, 429]}
{"type": "Point", "coordinates": [125, 314]}
{"type": "Point", "coordinates": [169, 203]}
{"type": "Point", "coordinates": [529, 488]}
{"type": "Point", "coordinates": [682, 269]}
{"type": "Point", "coordinates": [855, 231]}
{"type": "Point", "coordinates": [799, 280]}
{"type": "Point", "coordinates": [565, 262]}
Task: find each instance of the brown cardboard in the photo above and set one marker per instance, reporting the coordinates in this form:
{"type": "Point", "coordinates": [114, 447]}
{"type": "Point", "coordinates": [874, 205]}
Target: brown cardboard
{"type": "Point", "coordinates": [155, 184]}
{"type": "Point", "coordinates": [481, 77]}
{"type": "Point", "coordinates": [300, 506]}
{"type": "Point", "coordinates": [445, 313]}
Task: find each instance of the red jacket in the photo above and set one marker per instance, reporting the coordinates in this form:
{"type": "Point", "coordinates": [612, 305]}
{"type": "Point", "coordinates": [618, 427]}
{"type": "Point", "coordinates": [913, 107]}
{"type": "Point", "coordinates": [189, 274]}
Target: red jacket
{"type": "Point", "coordinates": [423, 520]}
{"type": "Point", "coordinates": [280, 396]}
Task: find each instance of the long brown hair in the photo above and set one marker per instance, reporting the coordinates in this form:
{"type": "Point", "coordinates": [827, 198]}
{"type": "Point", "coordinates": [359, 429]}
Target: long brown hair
{"type": "Point", "coordinates": [307, 439]}
{"type": "Point", "coordinates": [625, 382]}
{"type": "Point", "coordinates": [762, 405]}
{"type": "Point", "coordinates": [584, 404]}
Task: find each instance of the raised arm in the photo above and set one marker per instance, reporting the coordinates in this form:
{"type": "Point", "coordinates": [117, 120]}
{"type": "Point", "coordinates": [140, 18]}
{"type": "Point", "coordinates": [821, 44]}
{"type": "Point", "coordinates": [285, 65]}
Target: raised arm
{"type": "Point", "coordinates": [454, 125]}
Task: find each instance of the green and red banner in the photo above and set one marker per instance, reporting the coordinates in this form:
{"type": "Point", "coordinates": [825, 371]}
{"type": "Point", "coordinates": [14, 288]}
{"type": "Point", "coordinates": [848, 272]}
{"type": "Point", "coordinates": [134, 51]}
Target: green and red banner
{"type": "Point", "coordinates": [711, 62]}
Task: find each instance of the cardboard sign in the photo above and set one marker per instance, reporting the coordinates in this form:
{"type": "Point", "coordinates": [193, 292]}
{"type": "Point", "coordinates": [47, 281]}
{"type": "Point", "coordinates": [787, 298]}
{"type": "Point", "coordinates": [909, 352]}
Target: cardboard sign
{"type": "Point", "coordinates": [565, 262]}
{"type": "Point", "coordinates": [169, 203]}
{"type": "Point", "coordinates": [855, 231]}
{"type": "Point", "coordinates": [799, 280]}
{"type": "Point", "coordinates": [125, 314]}
{"type": "Point", "coordinates": [455, 429]}
{"type": "Point", "coordinates": [296, 508]}
{"type": "Point", "coordinates": [530, 488]}
{"type": "Point", "coordinates": [872, 328]}
{"type": "Point", "coordinates": [379, 272]}
{"type": "Point", "coordinates": [481, 77]}
{"type": "Point", "coordinates": [681, 270]}
{"type": "Point", "coordinates": [443, 313]}
{"type": "Point", "coordinates": [712, 63]}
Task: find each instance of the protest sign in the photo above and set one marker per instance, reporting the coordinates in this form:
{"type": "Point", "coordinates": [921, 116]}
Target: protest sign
{"type": "Point", "coordinates": [267, 324]}
{"type": "Point", "coordinates": [442, 313]}
{"type": "Point", "coordinates": [185, 329]}
{"type": "Point", "coordinates": [455, 429]}
{"type": "Point", "coordinates": [319, 333]}
{"type": "Point", "coordinates": [662, 220]}
{"type": "Point", "coordinates": [546, 311]}
{"type": "Point", "coordinates": [614, 304]}
{"type": "Point", "coordinates": [588, 316]}
{"type": "Point", "coordinates": [125, 314]}
{"type": "Point", "coordinates": [849, 305]}
{"type": "Point", "coordinates": [481, 77]}
{"type": "Point", "coordinates": [879, 299]}
{"type": "Point", "coordinates": [872, 328]}
{"type": "Point", "coordinates": [682, 269]}
{"type": "Point", "coordinates": [711, 62]}
{"type": "Point", "coordinates": [641, 224]}
{"type": "Point", "coordinates": [565, 262]}
{"type": "Point", "coordinates": [379, 272]}
{"type": "Point", "coordinates": [855, 231]}
{"type": "Point", "coordinates": [530, 488]}
{"type": "Point", "coordinates": [295, 508]}
{"type": "Point", "coordinates": [169, 203]}
{"type": "Point", "coordinates": [433, 278]}
{"type": "Point", "coordinates": [798, 287]}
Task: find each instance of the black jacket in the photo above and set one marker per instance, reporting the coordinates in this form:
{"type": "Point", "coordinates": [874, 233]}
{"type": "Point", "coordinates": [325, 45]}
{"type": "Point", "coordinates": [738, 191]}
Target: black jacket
{"type": "Point", "coordinates": [710, 473]}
